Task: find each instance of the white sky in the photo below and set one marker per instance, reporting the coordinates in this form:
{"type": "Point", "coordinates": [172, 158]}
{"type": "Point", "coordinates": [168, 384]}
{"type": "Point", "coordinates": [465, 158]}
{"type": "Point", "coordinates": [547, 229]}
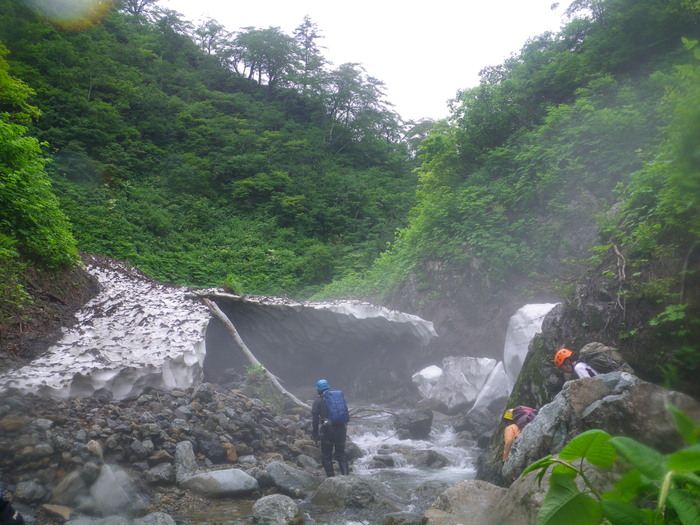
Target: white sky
{"type": "Point", "coordinates": [423, 51]}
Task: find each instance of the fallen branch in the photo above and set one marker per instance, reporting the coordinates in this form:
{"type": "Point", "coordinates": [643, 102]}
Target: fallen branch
{"type": "Point", "coordinates": [356, 412]}
{"type": "Point", "coordinates": [221, 316]}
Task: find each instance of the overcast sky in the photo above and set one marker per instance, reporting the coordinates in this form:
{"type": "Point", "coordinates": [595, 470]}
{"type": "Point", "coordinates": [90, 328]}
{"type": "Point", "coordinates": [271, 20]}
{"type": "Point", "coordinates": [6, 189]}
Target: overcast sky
{"type": "Point", "coordinates": [423, 51]}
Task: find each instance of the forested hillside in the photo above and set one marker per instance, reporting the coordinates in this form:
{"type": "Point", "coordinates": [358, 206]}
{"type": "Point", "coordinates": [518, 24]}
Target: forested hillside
{"type": "Point", "coordinates": [203, 156]}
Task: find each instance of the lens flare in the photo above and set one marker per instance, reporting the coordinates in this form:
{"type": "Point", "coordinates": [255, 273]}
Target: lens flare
{"type": "Point", "coordinates": [72, 14]}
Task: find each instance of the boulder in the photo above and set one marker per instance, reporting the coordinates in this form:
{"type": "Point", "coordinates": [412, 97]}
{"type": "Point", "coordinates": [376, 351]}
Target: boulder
{"type": "Point", "coordinates": [222, 483]}
{"type": "Point", "coordinates": [185, 462]}
{"type": "Point", "coordinates": [291, 481]}
{"type": "Point", "coordinates": [619, 403]}
{"type": "Point", "coordinates": [349, 491]}
{"type": "Point", "coordinates": [415, 424]}
{"type": "Point", "coordinates": [470, 502]}
{"type": "Point", "coordinates": [277, 509]}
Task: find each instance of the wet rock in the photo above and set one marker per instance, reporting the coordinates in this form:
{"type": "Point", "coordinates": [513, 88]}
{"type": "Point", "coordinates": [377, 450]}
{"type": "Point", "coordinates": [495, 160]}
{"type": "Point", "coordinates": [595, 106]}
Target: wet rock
{"type": "Point", "coordinates": [110, 520]}
{"type": "Point", "coordinates": [470, 502]}
{"type": "Point", "coordinates": [277, 509]}
{"type": "Point", "coordinates": [415, 424]}
{"type": "Point", "coordinates": [349, 491]}
{"type": "Point", "coordinates": [155, 518]}
{"type": "Point", "coordinates": [163, 474]}
{"type": "Point", "coordinates": [478, 424]}
{"type": "Point", "coordinates": [427, 459]}
{"type": "Point", "coordinates": [69, 490]}
{"type": "Point", "coordinates": [291, 481]}
{"type": "Point", "coordinates": [618, 403]}
{"type": "Point", "coordinates": [115, 493]}
{"type": "Point", "coordinates": [222, 483]}
{"type": "Point", "coordinates": [30, 491]}
{"type": "Point", "coordinates": [185, 462]}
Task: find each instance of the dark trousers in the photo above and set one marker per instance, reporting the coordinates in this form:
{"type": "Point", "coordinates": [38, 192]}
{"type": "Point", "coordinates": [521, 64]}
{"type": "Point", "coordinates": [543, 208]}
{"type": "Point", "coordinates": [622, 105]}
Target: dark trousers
{"type": "Point", "coordinates": [333, 440]}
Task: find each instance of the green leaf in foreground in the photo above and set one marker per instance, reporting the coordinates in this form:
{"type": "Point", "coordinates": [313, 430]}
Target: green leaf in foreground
{"type": "Point", "coordinates": [649, 462]}
{"type": "Point", "coordinates": [687, 506]}
{"type": "Point", "coordinates": [565, 504]}
{"type": "Point", "coordinates": [685, 459]}
{"type": "Point", "coordinates": [592, 445]}
{"type": "Point", "coordinates": [685, 425]}
{"type": "Point", "coordinates": [622, 513]}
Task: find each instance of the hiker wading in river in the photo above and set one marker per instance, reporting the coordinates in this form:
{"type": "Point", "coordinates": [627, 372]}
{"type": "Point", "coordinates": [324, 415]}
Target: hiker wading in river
{"type": "Point", "coordinates": [330, 415]}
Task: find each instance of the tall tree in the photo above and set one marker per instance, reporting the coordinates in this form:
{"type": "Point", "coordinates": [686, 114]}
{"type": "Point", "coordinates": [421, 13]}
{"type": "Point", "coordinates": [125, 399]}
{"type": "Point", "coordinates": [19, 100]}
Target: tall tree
{"type": "Point", "coordinates": [311, 60]}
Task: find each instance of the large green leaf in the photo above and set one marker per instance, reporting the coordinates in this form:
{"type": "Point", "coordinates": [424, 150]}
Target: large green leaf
{"type": "Point", "coordinates": [649, 462]}
{"type": "Point", "coordinates": [631, 484]}
{"type": "Point", "coordinates": [685, 459]}
{"type": "Point", "coordinates": [686, 427]}
{"type": "Point", "coordinates": [565, 504]}
{"type": "Point", "coordinates": [622, 513]}
{"type": "Point", "coordinates": [687, 506]}
{"type": "Point", "coordinates": [592, 445]}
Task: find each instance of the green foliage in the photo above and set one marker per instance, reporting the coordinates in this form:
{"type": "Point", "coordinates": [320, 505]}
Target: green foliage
{"type": "Point", "coordinates": [197, 154]}
{"type": "Point", "coordinates": [257, 375]}
{"type": "Point", "coordinates": [257, 371]}
{"type": "Point", "coordinates": [31, 223]}
{"type": "Point", "coordinates": [655, 489]}
{"type": "Point", "coordinates": [233, 285]}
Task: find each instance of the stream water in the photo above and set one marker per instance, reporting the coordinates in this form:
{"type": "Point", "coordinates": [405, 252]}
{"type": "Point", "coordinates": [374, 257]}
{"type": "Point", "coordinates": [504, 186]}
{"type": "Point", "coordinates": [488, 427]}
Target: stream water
{"type": "Point", "coordinates": [386, 460]}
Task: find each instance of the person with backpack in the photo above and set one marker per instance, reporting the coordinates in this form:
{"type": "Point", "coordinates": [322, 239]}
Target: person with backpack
{"type": "Point", "coordinates": [517, 419]}
{"type": "Point", "coordinates": [329, 417]}
{"type": "Point", "coordinates": [567, 362]}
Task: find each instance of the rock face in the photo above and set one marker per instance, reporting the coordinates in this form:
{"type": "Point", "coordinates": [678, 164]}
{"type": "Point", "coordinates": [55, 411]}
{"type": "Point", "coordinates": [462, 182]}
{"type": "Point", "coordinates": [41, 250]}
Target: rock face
{"type": "Point", "coordinates": [138, 334]}
{"type": "Point", "coordinates": [619, 403]}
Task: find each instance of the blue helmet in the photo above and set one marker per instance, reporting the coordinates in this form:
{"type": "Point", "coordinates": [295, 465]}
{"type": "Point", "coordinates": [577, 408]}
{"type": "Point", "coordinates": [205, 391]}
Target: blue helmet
{"type": "Point", "coordinates": [322, 385]}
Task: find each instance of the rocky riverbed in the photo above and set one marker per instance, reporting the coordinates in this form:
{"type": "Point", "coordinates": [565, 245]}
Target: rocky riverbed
{"type": "Point", "coordinates": [54, 452]}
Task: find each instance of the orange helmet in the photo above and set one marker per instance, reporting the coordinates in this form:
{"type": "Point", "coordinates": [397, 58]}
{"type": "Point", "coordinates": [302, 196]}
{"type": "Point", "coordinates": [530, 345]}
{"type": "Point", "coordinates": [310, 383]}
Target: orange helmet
{"type": "Point", "coordinates": [562, 355]}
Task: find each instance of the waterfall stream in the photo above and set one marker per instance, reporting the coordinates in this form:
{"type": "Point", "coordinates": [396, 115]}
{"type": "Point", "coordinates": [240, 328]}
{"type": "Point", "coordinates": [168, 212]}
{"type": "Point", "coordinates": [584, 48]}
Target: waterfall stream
{"type": "Point", "coordinates": [412, 488]}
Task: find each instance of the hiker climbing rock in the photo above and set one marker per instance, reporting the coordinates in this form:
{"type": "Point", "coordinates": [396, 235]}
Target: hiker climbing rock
{"type": "Point", "coordinates": [517, 419]}
{"type": "Point", "coordinates": [595, 358]}
{"type": "Point", "coordinates": [330, 415]}
{"type": "Point", "coordinates": [567, 362]}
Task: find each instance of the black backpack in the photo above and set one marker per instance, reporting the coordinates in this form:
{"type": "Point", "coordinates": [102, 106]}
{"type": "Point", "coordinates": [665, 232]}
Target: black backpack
{"type": "Point", "coordinates": [604, 359]}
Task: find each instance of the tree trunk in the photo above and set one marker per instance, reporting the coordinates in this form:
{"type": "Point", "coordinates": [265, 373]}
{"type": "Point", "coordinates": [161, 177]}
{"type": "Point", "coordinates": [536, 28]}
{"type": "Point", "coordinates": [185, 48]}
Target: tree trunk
{"type": "Point", "coordinates": [249, 355]}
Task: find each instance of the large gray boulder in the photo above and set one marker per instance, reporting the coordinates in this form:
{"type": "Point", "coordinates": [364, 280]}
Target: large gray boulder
{"type": "Point", "coordinates": [415, 424]}
{"type": "Point", "coordinates": [292, 481]}
{"type": "Point", "coordinates": [349, 491]}
{"type": "Point", "coordinates": [470, 502]}
{"type": "Point", "coordinates": [277, 509]}
{"type": "Point", "coordinates": [222, 483]}
{"type": "Point", "coordinates": [618, 402]}
{"type": "Point", "coordinates": [476, 502]}
{"type": "Point", "coordinates": [185, 461]}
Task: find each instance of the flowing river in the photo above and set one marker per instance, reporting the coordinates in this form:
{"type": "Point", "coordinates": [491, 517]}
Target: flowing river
{"type": "Point", "coordinates": [385, 459]}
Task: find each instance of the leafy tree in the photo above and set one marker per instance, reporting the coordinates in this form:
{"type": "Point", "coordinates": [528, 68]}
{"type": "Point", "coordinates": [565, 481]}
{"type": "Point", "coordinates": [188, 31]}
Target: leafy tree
{"type": "Point", "coordinates": [31, 223]}
{"type": "Point", "coordinates": [312, 62]}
